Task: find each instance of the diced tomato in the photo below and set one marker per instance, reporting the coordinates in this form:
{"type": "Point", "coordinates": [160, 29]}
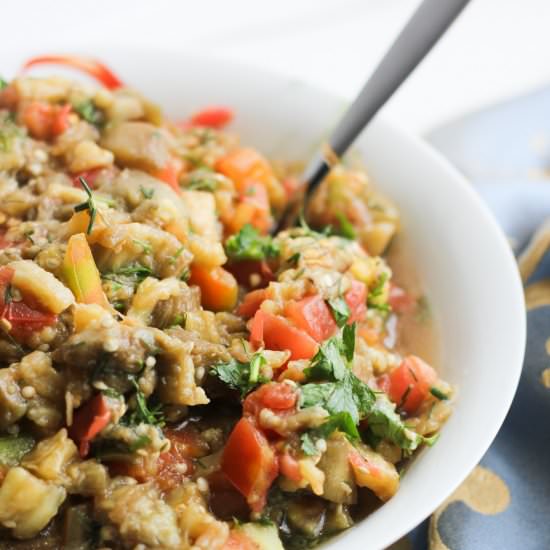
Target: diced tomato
{"type": "Point", "coordinates": [243, 166]}
{"type": "Point", "coordinates": [22, 316]}
{"type": "Point", "coordinates": [252, 302]}
{"type": "Point", "coordinates": [212, 117]}
{"type": "Point", "coordinates": [239, 541]}
{"type": "Point", "coordinates": [356, 298]}
{"type": "Point", "coordinates": [90, 66]}
{"type": "Point", "coordinates": [276, 396]}
{"type": "Point", "coordinates": [399, 300]}
{"type": "Point", "coordinates": [60, 120]}
{"type": "Point", "coordinates": [276, 333]}
{"type": "Point", "coordinates": [170, 174]}
{"type": "Point", "coordinates": [89, 175]}
{"type": "Point", "coordinates": [249, 463]}
{"type": "Point", "coordinates": [88, 421]}
{"type": "Point", "coordinates": [289, 467]}
{"type": "Point", "coordinates": [410, 383]}
{"type": "Point", "coordinates": [175, 465]}
{"type": "Point", "coordinates": [45, 121]}
{"type": "Point", "coordinates": [244, 269]}
{"type": "Point", "coordinates": [312, 315]}
{"type": "Point", "coordinates": [219, 288]}
{"type": "Point", "coordinates": [253, 208]}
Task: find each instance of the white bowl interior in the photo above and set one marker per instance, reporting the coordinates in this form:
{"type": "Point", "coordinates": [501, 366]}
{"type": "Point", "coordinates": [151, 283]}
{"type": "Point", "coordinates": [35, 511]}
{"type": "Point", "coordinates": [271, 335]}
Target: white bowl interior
{"type": "Point", "coordinates": [463, 259]}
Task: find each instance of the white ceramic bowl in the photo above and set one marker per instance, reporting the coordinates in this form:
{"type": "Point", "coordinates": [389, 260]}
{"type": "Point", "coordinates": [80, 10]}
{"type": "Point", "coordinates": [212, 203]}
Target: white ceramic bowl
{"type": "Point", "coordinates": [463, 258]}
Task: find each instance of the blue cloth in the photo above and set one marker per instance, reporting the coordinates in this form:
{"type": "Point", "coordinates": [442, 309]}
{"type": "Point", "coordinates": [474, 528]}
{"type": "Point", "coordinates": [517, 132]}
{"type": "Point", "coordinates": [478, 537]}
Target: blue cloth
{"type": "Point", "coordinates": [505, 153]}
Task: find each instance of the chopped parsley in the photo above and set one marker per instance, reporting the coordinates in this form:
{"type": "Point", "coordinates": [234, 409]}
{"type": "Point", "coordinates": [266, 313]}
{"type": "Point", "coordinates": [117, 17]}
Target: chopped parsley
{"type": "Point", "coordinates": [376, 293]}
{"type": "Point", "coordinates": [201, 180]}
{"type": "Point", "coordinates": [241, 376]}
{"type": "Point", "coordinates": [89, 205]}
{"type": "Point", "coordinates": [340, 310]}
{"type": "Point", "coordinates": [345, 226]}
{"type": "Point", "coordinates": [3, 83]}
{"type": "Point", "coordinates": [147, 193]}
{"type": "Point", "coordinates": [333, 386]}
{"type": "Point", "coordinates": [128, 275]}
{"type": "Point", "coordinates": [248, 244]}
{"type": "Point", "coordinates": [438, 394]}
{"type": "Point", "coordinates": [90, 113]}
{"type": "Point", "coordinates": [341, 421]}
{"type": "Point", "coordinates": [143, 413]}
{"type": "Point", "coordinates": [147, 248]}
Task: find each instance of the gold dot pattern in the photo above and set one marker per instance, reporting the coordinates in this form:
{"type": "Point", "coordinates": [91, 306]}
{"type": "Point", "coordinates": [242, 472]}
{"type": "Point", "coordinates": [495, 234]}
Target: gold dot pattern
{"type": "Point", "coordinates": [483, 491]}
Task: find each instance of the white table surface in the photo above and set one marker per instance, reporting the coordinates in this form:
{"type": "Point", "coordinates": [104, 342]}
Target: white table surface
{"type": "Point", "coordinates": [496, 49]}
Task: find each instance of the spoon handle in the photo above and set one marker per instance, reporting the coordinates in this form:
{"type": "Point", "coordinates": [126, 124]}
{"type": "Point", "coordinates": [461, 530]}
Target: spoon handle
{"type": "Point", "coordinates": [426, 26]}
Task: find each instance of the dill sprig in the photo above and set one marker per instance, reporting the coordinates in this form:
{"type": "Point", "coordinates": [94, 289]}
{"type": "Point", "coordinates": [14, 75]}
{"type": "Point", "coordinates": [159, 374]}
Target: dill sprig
{"type": "Point", "coordinates": [89, 204]}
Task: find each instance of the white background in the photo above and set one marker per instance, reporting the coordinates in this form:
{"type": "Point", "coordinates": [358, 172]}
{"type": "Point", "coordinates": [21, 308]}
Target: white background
{"type": "Point", "coordinates": [496, 49]}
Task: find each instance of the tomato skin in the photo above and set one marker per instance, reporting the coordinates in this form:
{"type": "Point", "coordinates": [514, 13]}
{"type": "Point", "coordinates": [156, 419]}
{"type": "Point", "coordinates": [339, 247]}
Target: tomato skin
{"type": "Point", "coordinates": [88, 422]}
{"type": "Point", "coordinates": [249, 463]}
{"type": "Point", "coordinates": [45, 121]}
{"type": "Point", "coordinates": [410, 383]}
{"type": "Point", "coordinates": [276, 333]}
{"type": "Point", "coordinates": [251, 302]}
{"type": "Point", "coordinates": [312, 315]}
{"type": "Point", "coordinates": [277, 396]}
{"type": "Point", "coordinates": [289, 467]}
{"type": "Point", "coordinates": [170, 174]}
{"type": "Point", "coordinates": [169, 471]}
{"type": "Point", "coordinates": [23, 317]}
{"type": "Point", "coordinates": [356, 298]}
{"type": "Point", "coordinates": [89, 175]}
{"type": "Point", "coordinates": [212, 117]}
{"type": "Point", "coordinates": [60, 121]}
{"type": "Point", "coordinates": [399, 300]}
{"type": "Point", "coordinates": [219, 289]}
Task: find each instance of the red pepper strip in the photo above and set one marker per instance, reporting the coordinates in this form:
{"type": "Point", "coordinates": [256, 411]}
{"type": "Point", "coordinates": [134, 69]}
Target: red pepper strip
{"type": "Point", "coordinates": [89, 66]}
{"type": "Point", "coordinates": [88, 421]}
{"type": "Point", "coordinates": [212, 117]}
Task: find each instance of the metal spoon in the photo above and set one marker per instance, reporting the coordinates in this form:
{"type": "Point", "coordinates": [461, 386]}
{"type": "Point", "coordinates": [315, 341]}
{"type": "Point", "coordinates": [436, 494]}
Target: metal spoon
{"type": "Point", "coordinates": [423, 30]}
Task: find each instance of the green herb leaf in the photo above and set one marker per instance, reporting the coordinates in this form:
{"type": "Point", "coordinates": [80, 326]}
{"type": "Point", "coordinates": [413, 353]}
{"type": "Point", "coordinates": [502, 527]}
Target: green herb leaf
{"type": "Point", "coordinates": [147, 193]}
{"type": "Point", "coordinates": [90, 113]}
{"type": "Point", "coordinates": [240, 376]}
{"type": "Point", "coordinates": [342, 421]}
{"type": "Point", "coordinates": [376, 292]}
{"type": "Point", "coordinates": [340, 310]}
{"type": "Point", "coordinates": [342, 392]}
{"type": "Point", "coordinates": [248, 244]}
{"type": "Point", "coordinates": [142, 413]}
{"type": "Point", "coordinates": [346, 227]}
{"type": "Point", "coordinates": [201, 180]}
{"type": "Point", "coordinates": [438, 394]}
{"type": "Point", "coordinates": [89, 205]}
{"type": "Point", "coordinates": [3, 83]}
{"type": "Point", "coordinates": [13, 448]}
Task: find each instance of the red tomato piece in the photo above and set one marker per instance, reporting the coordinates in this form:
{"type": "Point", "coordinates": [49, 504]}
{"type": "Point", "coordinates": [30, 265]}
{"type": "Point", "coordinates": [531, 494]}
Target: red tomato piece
{"type": "Point", "coordinates": [88, 422]}
{"type": "Point", "coordinates": [252, 301]}
{"type": "Point", "coordinates": [212, 117]}
{"type": "Point", "coordinates": [289, 467]}
{"type": "Point", "coordinates": [170, 174]}
{"type": "Point", "coordinates": [89, 175]}
{"type": "Point", "coordinates": [277, 396]}
{"type": "Point", "coordinates": [249, 463]}
{"type": "Point", "coordinates": [90, 66]}
{"type": "Point", "coordinates": [170, 473]}
{"type": "Point", "coordinates": [276, 333]}
{"type": "Point", "coordinates": [399, 300]}
{"type": "Point", "coordinates": [60, 120]}
{"type": "Point", "coordinates": [312, 315]}
{"type": "Point", "coordinates": [356, 298]}
{"type": "Point", "coordinates": [410, 383]}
